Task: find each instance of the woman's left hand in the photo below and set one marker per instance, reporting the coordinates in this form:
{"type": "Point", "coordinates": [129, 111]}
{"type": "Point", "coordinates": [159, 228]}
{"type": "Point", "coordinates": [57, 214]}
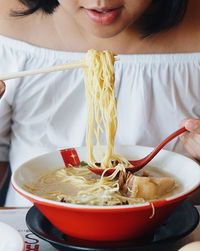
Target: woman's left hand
{"type": "Point", "coordinates": [191, 139]}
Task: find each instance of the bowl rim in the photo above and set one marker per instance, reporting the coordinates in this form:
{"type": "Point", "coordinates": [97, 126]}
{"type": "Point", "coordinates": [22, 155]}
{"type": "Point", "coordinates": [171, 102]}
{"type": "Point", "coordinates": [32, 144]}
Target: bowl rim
{"type": "Point", "coordinates": [144, 205]}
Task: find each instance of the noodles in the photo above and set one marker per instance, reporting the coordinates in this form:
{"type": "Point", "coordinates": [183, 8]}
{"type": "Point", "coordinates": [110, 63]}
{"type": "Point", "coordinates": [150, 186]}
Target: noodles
{"type": "Point", "coordinates": [81, 186]}
{"type": "Point", "coordinates": [101, 104]}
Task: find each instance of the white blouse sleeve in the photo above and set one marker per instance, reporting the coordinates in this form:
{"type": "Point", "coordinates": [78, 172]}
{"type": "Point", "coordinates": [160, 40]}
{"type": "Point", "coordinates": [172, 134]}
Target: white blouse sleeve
{"type": "Point", "coordinates": [5, 125]}
{"type": "Point", "coordinates": [8, 63]}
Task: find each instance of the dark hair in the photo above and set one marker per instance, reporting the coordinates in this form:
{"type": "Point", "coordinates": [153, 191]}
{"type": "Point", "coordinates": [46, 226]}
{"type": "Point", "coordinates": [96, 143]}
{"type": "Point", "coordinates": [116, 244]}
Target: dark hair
{"type": "Point", "coordinates": [47, 6]}
{"type": "Point", "coordinates": [160, 15]}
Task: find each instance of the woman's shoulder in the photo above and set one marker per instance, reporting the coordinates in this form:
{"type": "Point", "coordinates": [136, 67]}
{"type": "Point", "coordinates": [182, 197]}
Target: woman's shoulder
{"type": "Point", "coordinates": [30, 29]}
{"type": "Point", "coordinates": [10, 25]}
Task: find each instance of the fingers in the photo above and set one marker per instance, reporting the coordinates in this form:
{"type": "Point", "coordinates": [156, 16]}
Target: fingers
{"type": "Point", "coordinates": [193, 125]}
{"type": "Point", "coordinates": [2, 88]}
{"type": "Point", "coordinates": [191, 139]}
{"type": "Point", "coordinates": [191, 142]}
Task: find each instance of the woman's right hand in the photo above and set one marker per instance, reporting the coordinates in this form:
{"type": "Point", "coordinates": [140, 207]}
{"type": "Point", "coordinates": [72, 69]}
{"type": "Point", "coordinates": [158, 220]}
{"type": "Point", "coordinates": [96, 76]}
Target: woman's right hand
{"type": "Point", "coordinates": [2, 88]}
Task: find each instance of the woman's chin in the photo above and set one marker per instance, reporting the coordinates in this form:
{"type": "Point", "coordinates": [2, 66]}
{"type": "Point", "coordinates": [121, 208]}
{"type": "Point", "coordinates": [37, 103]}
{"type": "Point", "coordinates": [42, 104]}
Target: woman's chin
{"type": "Point", "coordinates": [104, 31]}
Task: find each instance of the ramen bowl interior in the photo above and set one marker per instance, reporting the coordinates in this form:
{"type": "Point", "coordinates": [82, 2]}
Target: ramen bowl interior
{"type": "Point", "coordinates": [109, 223]}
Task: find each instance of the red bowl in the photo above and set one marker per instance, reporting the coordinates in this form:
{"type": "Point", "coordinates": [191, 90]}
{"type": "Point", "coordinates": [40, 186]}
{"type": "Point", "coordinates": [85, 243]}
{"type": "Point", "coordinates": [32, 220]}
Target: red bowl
{"type": "Point", "coordinates": [108, 223]}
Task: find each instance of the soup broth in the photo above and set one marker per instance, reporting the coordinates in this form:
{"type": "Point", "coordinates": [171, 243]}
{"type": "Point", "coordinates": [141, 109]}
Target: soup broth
{"type": "Point", "coordinates": [81, 186]}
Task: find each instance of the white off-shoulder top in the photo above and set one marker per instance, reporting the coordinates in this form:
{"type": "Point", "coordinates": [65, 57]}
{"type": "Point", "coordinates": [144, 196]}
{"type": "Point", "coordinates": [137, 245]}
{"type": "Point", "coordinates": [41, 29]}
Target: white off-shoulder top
{"type": "Point", "coordinates": [42, 113]}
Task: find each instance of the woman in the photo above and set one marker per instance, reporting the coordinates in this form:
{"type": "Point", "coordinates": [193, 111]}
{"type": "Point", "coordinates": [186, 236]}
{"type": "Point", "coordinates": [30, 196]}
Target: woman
{"type": "Point", "coordinates": [157, 76]}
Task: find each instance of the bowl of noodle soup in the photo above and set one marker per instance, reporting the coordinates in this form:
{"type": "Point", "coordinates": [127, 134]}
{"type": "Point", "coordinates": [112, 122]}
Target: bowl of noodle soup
{"type": "Point", "coordinates": [117, 207]}
{"type": "Point", "coordinates": [86, 210]}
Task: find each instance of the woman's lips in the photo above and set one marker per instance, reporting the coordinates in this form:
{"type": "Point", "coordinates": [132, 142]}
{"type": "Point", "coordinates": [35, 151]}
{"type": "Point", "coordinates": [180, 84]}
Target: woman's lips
{"type": "Point", "coordinates": [103, 16]}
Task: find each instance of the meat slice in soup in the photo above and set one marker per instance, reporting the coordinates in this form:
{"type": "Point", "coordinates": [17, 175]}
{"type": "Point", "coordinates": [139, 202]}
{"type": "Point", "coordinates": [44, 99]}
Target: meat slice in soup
{"type": "Point", "coordinates": [148, 188]}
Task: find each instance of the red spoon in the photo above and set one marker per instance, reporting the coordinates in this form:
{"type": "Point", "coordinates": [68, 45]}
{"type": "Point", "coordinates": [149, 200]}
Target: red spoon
{"type": "Point", "coordinates": [140, 163]}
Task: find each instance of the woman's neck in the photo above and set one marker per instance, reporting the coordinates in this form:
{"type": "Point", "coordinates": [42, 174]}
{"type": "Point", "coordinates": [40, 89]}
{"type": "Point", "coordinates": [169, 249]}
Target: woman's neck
{"type": "Point", "coordinates": [61, 32]}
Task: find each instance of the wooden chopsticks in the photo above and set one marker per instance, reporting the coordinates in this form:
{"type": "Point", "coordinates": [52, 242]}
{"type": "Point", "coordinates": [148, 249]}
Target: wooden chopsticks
{"type": "Point", "coordinates": [62, 67]}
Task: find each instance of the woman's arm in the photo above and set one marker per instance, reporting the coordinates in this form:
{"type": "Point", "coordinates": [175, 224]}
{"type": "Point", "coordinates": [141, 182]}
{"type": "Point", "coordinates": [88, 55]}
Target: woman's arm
{"type": "Point", "coordinates": [5, 123]}
{"type": "Point", "coordinates": [191, 142]}
{"type": "Point", "coordinates": [2, 88]}
{"type": "Point", "coordinates": [3, 173]}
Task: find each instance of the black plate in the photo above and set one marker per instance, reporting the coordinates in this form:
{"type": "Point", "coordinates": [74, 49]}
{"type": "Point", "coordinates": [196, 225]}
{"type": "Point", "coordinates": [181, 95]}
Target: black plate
{"type": "Point", "coordinates": [182, 222]}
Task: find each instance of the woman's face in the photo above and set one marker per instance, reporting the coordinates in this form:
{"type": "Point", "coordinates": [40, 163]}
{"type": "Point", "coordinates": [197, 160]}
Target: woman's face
{"type": "Point", "coordinates": [104, 18]}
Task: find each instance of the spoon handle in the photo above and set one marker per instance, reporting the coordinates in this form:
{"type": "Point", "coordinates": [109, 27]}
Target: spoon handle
{"type": "Point", "coordinates": [142, 162]}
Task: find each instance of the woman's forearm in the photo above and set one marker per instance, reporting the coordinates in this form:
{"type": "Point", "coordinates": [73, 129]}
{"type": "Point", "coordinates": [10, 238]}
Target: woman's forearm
{"type": "Point", "coordinates": [2, 88]}
{"type": "Point", "coordinates": [3, 173]}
